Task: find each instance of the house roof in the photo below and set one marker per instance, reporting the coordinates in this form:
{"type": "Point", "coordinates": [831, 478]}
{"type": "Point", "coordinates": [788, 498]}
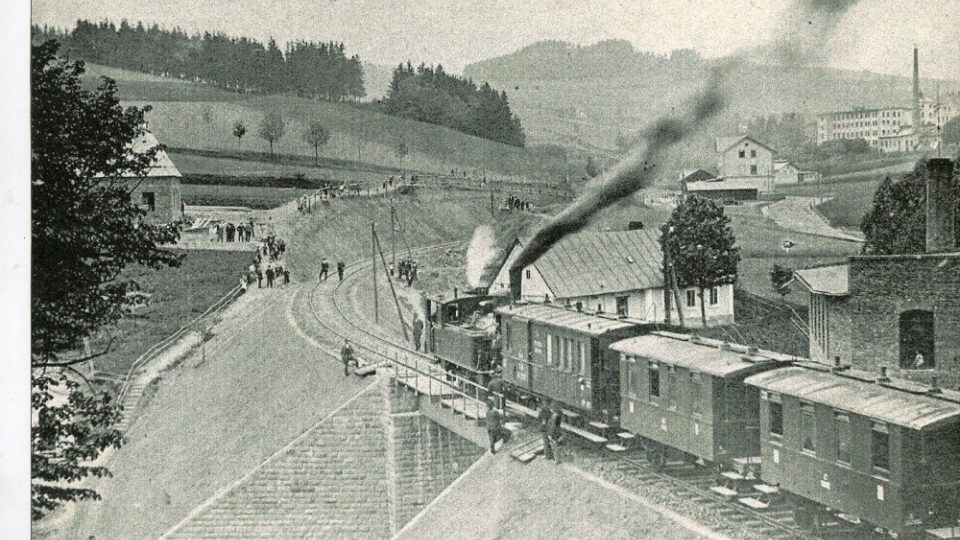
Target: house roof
{"type": "Point", "coordinates": [856, 394]}
{"type": "Point", "coordinates": [781, 163]}
{"type": "Point", "coordinates": [725, 143]}
{"type": "Point", "coordinates": [561, 317]}
{"type": "Point", "coordinates": [695, 175]}
{"type": "Point", "coordinates": [832, 280]}
{"type": "Point", "coordinates": [721, 183]}
{"type": "Point", "coordinates": [162, 164]}
{"type": "Point", "coordinates": [593, 263]}
{"type": "Point", "coordinates": [702, 356]}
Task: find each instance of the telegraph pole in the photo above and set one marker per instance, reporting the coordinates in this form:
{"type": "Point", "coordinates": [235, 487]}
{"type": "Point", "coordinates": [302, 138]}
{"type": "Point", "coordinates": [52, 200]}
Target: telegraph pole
{"type": "Point", "coordinates": [393, 234]}
{"type": "Point", "coordinates": [373, 258]}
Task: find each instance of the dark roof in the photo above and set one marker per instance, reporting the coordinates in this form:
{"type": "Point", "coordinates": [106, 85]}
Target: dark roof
{"type": "Point", "coordinates": [832, 280]}
{"type": "Point", "coordinates": [852, 393]}
{"type": "Point", "coordinates": [562, 317]}
{"type": "Point", "coordinates": [702, 355]}
{"type": "Point", "coordinates": [592, 263]}
{"type": "Point", "coordinates": [725, 143]}
{"type": "Point", "coordinates": [697, 175]}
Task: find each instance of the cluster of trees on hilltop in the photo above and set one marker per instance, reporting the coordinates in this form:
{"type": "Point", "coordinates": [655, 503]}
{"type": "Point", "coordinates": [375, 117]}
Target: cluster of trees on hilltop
{"type": "Point", "coordinates": [430, 95]}
{"type": "Point", "coordinates": [320, 70]}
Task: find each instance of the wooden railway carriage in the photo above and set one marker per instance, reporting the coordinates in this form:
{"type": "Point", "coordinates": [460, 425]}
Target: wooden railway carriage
{"type": "Point", "coordinates": [557, 353]}
{"type": "Point", "coordinates": [452, 338]}
{"type": "Point", "coordinates": [683, 393]}
{"type": "Point", "coordinates": [887, 452]}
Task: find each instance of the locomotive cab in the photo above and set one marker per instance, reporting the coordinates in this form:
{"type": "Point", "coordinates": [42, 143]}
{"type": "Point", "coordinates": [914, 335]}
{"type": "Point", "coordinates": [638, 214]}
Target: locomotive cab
{"type": "Point", "coordinates": [460, 333]}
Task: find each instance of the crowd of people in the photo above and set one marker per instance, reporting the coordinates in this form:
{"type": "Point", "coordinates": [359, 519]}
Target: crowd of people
{"type": "Point", "coordinates": [228, 232]}
{"type": "Point", "coordinates": [516, 203]}
{"type": "Point", "coordinates": [267, 268]}
{"type": "Point", "coordinates": [406, 271]}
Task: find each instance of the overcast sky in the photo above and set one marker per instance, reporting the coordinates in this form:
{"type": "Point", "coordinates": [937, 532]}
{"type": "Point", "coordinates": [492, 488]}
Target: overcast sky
{"type": "Point", "coordinates": [876, 35]}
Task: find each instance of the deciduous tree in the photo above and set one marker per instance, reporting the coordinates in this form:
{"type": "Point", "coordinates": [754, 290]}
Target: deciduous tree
{"type": "Point", "coordinates": [85, 230]}
{"type": "Point", "coordinates": [271, 128]}
{"type": "Point", "coordinates": [698, 242]}
{"type": "Point", "coordinates": [239, 130]}
{"type": "Point", "coordinates": [779, 277]}
{"type": "Point", "coordinates": [316, 136]}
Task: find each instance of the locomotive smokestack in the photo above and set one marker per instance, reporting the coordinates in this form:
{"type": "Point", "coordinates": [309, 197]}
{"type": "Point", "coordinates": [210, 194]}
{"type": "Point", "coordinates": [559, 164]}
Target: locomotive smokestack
{"type": "Point", "coordinates": [941, 206]}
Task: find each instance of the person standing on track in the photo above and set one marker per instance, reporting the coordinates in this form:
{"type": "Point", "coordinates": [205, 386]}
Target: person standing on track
{"type": "Point", "coordinates": [346, 356]}
{"type": "Point", "coordinates": [340, 268]}
{"type": "Point", "coordinates": [544, 418]}
{"type": "Point", "coordinates": [555, 432]}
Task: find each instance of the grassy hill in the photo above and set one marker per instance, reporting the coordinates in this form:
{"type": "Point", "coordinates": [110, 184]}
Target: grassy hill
{"type": "Point", "coordinates": [195, 116]}
{"type": "Point", "coordinates": [586, 96]}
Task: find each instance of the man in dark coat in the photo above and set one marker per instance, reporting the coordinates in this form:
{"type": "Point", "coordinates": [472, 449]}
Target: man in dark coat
{"type": "Point", "coordinates": [544, 418]}
{"type": "Point", "coordinates": [341, 266]}
{"type": "Point", "coordinates": [417, 331]}
{"type": "Point", "coordinates": [555, 432]}
{"type": "Point", "coordinates": [346, 356]}
{"type": "Point", "coordinates": [494, 421]}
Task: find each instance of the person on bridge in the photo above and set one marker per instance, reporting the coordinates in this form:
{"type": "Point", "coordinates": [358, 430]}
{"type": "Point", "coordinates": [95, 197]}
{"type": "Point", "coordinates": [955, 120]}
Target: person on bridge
{"type": "Point", "coordinates": [346, 356]}
{"type": "Point", "coordinates": [417, 331]}
{"type": "Point", "coordinates": [324, 269]}
{"type": "Point", "coordinates": [340, 268]}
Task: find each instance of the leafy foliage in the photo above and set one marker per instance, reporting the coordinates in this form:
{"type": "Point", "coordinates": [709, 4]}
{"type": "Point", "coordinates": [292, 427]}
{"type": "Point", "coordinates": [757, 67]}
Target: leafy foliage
{"type": "Point", "coordinates": [779, 277]}
{"type": "Point", "coordinates": [306, 68]}
{"type": "Point", "coordinates": [316, 136]}
{"type": "Point", "coordinates": [431, 95]}
{"type": "Point", "coordinates": [699, 244]}
{"type": "Point", "coordinates": [239, 130]}
{"type": "Point", "coordinates": [897, 222]}
{"type": "Point", "coordinates": [84, 230]}
{"type": "Point", "coordinates": [271, 128]}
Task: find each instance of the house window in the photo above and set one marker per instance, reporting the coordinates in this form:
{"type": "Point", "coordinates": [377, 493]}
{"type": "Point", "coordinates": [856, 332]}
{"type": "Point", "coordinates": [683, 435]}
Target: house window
{"type": "Point", "coordinates": [776, 415]}
{"type": "Point", "coordinates": [654, 381]}
{"type": "Point", "coordinates": [148, 200]}
{"type": "Point", "coordinates": [916, 340]}
{"type": "Point", "coordinates": [743, 153]}
{"type": "Point", "coordinates": [880, 448]}
{"type": "Point", "coordinates": [528, 273]}
{"type": "Point", "coordinates": [808, 427]}
{"type": "Point", "coordinates": [714, 296]}
{"type": "Point", "coordinates": [753, 170]}
{"type": "Point", "coordinates": [691, 298]}
{"type": "Point", "coordinates": [753, 153]}
{"type": "Point", "coordinates": [843, 437]}
{"type": "Point", "coordinates": [621, 306]}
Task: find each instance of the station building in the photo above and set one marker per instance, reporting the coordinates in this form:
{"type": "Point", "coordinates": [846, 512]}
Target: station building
{"type": "Point", "coordinates": [618, 273]}
{"type": "Point", "coordinates": [896, 311]}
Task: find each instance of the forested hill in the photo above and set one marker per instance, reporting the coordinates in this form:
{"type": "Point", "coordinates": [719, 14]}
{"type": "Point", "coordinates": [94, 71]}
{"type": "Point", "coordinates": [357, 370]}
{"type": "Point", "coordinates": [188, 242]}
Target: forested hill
{"type": "Point", "coordinates": [586, 95]}
{"type": "Point", "coordinates": [307, 69]}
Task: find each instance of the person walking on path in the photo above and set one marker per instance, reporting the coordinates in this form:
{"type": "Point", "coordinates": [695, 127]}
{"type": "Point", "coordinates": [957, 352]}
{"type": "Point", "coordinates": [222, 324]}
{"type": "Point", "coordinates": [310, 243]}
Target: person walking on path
{"type": "Point", "coordinates": [324, 269]}
{"type": "Point", "coordinates": [555, 432]}
{"type": "Point", "coordinates": [340, 268]}
{"type": "Point", "coordinates": [544, 418]}
{"type": "Point", "coordinates": [346, 356]}
{"type": "Point", "coordinates": [286, 276]}
{"type": "Point", "coordinates": [417, 331]}
{"type": "Point", "coordinates": [270, 276]}
{"type": "Point", "coordinates": [259, 278]}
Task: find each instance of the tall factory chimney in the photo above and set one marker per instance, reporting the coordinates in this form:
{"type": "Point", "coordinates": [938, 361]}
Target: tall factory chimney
{"type": "Point", "coordinates": [941, 206]}
{"type": "Point", "coordinates": [917, 118]}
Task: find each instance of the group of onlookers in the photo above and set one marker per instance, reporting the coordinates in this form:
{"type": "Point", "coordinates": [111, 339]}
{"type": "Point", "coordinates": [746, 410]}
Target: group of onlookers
{"type": "Point", "coordinates": [228, 232]}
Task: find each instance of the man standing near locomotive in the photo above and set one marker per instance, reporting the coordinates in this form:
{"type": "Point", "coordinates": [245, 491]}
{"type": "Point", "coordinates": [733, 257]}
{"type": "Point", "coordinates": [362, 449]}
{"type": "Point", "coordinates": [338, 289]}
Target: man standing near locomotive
{"type": "Point", "coordinates": [544, 418]}
{"type": "Point", "coordinates": [417, 330]}
{"type": "Point", "coordinates": [555, 432]}
{"type": "Point", "coordinates": [494, 421]}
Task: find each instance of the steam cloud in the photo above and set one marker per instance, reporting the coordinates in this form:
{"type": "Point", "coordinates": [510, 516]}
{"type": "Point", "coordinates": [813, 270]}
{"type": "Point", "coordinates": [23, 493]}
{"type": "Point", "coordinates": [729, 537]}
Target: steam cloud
{"type": "Point", "coordinates": [805, 28]}
{"type": "Point", "coordinates": [480, 252]}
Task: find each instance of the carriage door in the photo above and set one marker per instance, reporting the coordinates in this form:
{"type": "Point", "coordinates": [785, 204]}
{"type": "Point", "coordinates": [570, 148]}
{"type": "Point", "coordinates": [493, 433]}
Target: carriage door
{"type": "Point", "coordinates": [581, 364]}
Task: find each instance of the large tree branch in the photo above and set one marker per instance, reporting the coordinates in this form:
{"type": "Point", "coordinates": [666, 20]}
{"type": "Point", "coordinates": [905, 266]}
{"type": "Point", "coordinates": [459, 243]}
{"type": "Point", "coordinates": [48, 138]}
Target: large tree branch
{"type": "Point", "coordinates": [75, 361]}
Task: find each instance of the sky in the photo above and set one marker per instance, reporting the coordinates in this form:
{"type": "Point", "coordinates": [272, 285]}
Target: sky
{"type": "Point", "coordinates": [875, 35]}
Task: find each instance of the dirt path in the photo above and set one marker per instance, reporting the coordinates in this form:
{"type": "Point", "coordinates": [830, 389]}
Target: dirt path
{"type": "Point", "coordinates": [799, 214]}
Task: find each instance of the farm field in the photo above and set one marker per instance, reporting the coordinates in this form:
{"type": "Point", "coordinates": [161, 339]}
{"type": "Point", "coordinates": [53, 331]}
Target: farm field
{"type": "Point", "coordinates": [177, 296]}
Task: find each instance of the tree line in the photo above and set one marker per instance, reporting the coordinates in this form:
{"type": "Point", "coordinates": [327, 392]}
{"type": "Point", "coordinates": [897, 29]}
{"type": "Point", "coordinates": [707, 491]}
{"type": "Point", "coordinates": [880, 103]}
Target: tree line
{"type": "Point", "coordinates": [308, 69]}
{"type": "Point", "coordinates": [428, 94]}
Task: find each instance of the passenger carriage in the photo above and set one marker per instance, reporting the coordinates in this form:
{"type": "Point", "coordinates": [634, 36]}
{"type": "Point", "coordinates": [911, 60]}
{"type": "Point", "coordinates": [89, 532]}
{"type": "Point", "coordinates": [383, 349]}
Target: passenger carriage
{"type": "Point", "coordinates": [686, 398]}
{"type": "Point", "coordinates": [867, 449]}
{"type": "Point", "coordinates": [557, 353]}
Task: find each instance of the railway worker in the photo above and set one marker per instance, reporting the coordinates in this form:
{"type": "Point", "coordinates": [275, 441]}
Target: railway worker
{"type": "Point", "coordinates": [494, 421]}
{"type": "Point", "coordinates": [543, 417]}
{"type": "Point", "coordinates": [417, 330]}
{"type": "Point", "coordinates": [340, 268]}
{"type": "Point", "coordinates": [324, 269]}
{"type": "Point", "coordinates": [555, 432]}
{"type": "Point", "coordinates": [346, 356]}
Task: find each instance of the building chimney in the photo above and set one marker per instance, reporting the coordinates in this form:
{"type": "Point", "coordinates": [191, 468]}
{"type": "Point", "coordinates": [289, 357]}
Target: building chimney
{"type": "Point", "coordinates": [917, 118]}
{"type": "Point", "coordinates": [941, 206]}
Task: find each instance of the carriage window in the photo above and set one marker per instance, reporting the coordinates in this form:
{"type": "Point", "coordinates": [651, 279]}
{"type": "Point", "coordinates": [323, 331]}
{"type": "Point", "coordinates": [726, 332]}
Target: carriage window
{"type": "Point", "coordinates": [696, 393]}
{"type": "Point", "coordinates": [567, 353]}
{"type": "Point", "coordinates": [507, 335]}
{"type": "Point", "coordinates": [549, 349]}
{"type": "Point", "coordinates": [628, 367]}
{"type": "Point", "coordinates": [583, 360]}
{"type": "Point", "coordinates": [561, 353]}
{"type": "Point", "coordinates": [843, 437]}
{"type": "Point", "coordinates": [808, 427]}
{"type": "Point", "coordinates": [776, 415]}
{"type": "Point", "coordinates": [880, 448]}
{"type": "Point", "coordinates": [654, 381]}
{"type": "Point", "coordinates": [673, 388]}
